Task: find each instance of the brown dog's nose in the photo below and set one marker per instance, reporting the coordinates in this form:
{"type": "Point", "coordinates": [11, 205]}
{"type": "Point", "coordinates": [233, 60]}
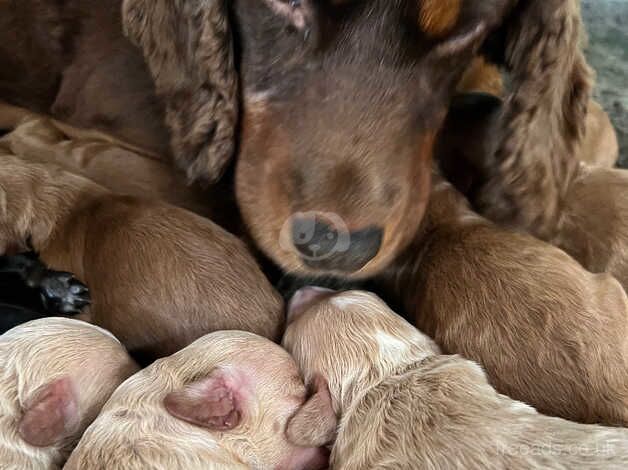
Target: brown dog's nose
{"type": "Point", "coordinates": [322, 245]}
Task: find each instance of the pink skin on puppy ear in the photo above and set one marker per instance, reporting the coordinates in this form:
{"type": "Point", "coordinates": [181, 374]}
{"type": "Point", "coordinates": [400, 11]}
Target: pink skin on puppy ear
{"type": "Point", "coordinates": [304, 298]}
{"type": "Point", "coordinates": [214, 402]}
{"type": "Point", "coordinates": [50, 415]}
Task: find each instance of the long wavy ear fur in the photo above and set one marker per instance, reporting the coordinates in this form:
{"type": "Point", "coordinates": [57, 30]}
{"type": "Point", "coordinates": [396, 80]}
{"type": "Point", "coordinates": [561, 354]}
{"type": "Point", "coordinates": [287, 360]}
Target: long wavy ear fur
{"type": "Point", "coordinates": [543, 118]}
{"type": "Point", "coordinates": [189, 50]}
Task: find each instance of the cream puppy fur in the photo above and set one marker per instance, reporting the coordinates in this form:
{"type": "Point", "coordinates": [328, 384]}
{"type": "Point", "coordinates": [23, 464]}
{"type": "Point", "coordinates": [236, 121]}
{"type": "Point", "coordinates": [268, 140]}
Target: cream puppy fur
{"type": "Point", "coordinates": [404, 405]}
{"type": "Point", "coordinates": [55, 375]}
{"type": "Point", "coordinates": [221, 403]}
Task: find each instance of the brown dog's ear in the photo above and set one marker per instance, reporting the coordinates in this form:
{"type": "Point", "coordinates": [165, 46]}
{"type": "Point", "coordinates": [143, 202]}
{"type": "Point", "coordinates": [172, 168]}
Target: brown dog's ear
{"type": "Point", "coordinates": [543, 118]}
{"type": "Point", "coordinates": [214, 402]}
{"type": "Point", "coordinates": [50, 415]}
{"type": "Point", "coordinates": [314, 424]}
{"type": "Point", "coordinates": [458, 26]}
{"type": "Point", "coordinates": [188, 47]}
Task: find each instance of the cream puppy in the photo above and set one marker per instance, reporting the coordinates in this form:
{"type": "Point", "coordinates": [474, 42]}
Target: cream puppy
{"type": "Point", "coordinates": [223, 402]}
{"type": "Point", "coordinates": [55, 375]}
{"type": "Point", "coordinates": [404, 405]}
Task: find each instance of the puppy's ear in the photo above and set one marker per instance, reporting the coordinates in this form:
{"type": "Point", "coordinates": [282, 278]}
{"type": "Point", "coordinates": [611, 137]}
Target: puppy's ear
{"type": "Point", "coordinates": [314, 424]}
{"type": "Point", "coordinates": [188, 47]}
{"type": "Point", "coordinates": [543, 119]}
{"type": "Point", "coordinates": [214, 402]}
{"type": "Point", "coordinates": [50, 415]}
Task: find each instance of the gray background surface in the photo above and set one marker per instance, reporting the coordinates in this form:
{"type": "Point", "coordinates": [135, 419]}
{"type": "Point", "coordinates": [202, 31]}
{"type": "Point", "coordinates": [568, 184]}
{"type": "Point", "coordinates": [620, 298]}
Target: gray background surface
{"type": "Point", "coordinates": [607, 25]}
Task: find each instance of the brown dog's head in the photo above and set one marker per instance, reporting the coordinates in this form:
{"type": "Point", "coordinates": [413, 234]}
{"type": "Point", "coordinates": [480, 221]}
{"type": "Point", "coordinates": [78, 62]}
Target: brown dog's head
{"type": "Point", "coordinates": [340, 102]}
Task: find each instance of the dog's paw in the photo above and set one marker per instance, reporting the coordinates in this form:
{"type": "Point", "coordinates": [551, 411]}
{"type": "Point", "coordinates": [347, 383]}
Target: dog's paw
{"type": "Point", "coordinates": [62, 293]}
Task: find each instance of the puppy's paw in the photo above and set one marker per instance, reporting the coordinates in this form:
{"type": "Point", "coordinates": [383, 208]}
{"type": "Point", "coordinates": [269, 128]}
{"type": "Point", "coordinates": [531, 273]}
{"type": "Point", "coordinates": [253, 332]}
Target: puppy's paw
{"type": "Point", "coordinates": [62, 293]}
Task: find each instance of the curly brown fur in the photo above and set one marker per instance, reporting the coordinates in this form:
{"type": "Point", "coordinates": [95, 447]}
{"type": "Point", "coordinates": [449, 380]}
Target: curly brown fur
{"type": "Point", "coordinates": [187, 45]}
{"type": "Point", "coordinates": [159, 276]}
{"type": "Point", "coordinates": [543, 121]}
{"type": "Point", "coordinates": [548, 332]}
{"type": "Point", "coordinates": [404, 405]}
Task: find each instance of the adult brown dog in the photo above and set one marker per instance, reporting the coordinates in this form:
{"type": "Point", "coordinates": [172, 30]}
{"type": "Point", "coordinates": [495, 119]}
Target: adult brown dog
{"type": "Point", "coordinates": [334, 104]}
{"type": "Point", "coordinates": [159, 276]}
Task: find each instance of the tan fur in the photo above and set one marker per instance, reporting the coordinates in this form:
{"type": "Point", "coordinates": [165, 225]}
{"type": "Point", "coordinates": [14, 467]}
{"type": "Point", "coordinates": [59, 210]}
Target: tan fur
{"type": "Point", "coordinates": [543, 121]}
{"type": "Point", "coordinates": [38, 352]}
{"type": "Point", "coordinates": [121, 167]}
{"type": "Point", "coordinates": [594, 221]}
{"type": "Point", "coordinates": [547, 331]}
{"type": "Point", "coordinates": [403, 405]}
{"type": "Point", "coordinates": [600, 146]}
{"type": "Point", "coordinates": [590, 224]}
{"type": "Point", "coordinates": [160, 276]}
{"type": "Point", "coordinates": [437, 17]}
{"type": "Point", "coordinates": [134, 431]}
{"type": "Point", "coordinates": [482, 76]}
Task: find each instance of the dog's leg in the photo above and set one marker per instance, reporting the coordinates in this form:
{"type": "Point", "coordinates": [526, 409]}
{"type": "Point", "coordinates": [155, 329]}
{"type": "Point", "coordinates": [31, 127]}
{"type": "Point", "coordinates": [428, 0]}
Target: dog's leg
{"type": "Point", "coordinates": [38, 201]}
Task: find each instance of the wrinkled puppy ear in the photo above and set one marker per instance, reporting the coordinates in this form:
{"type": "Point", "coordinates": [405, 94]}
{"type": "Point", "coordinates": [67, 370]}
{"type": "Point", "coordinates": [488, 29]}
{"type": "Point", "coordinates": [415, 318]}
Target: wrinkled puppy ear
{"type": "Point", "coordinates": [188, 47]}
{"type": "Point", "coordinates": [50, 415]}
{"type": "Point", "coordinates": [543, 118]}
{"type": "Point", "coordinates": [214, 402]}
{"type": "Point", "coordinates": [314, 424]}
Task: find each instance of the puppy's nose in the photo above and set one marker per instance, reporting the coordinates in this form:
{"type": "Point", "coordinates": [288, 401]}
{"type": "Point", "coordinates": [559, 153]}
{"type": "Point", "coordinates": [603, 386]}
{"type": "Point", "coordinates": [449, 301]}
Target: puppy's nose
{"type": "Point", "coordinates": [324, 246]}
{"type": "Point", "coordinates": [305, 298]}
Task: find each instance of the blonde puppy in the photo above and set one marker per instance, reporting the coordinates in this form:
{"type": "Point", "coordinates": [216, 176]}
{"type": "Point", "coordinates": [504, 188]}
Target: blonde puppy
{"type": "Point", "coordinates": [55, 375]}
{"type": "Point", "coordinates": [159, 276]}
{"type": "Point", "coordinates": [547, 331]}
{"type": "Point", "coordinates": [223, 402]}
{"type": "Point", "coordinates": [403, 405]}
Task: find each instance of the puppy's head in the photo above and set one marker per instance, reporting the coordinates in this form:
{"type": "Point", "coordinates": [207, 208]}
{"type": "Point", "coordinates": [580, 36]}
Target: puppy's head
{"type": "Point", "coordinates": [350, 339]}
{"type": "Point", "coordinates": [222, 402]}
{"type": "Point", "coordinates": [340, 104]}
{"type": "Point", "coordinates": [60, 372]}
{"type": "Point", "coordinates": [245, 401]}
